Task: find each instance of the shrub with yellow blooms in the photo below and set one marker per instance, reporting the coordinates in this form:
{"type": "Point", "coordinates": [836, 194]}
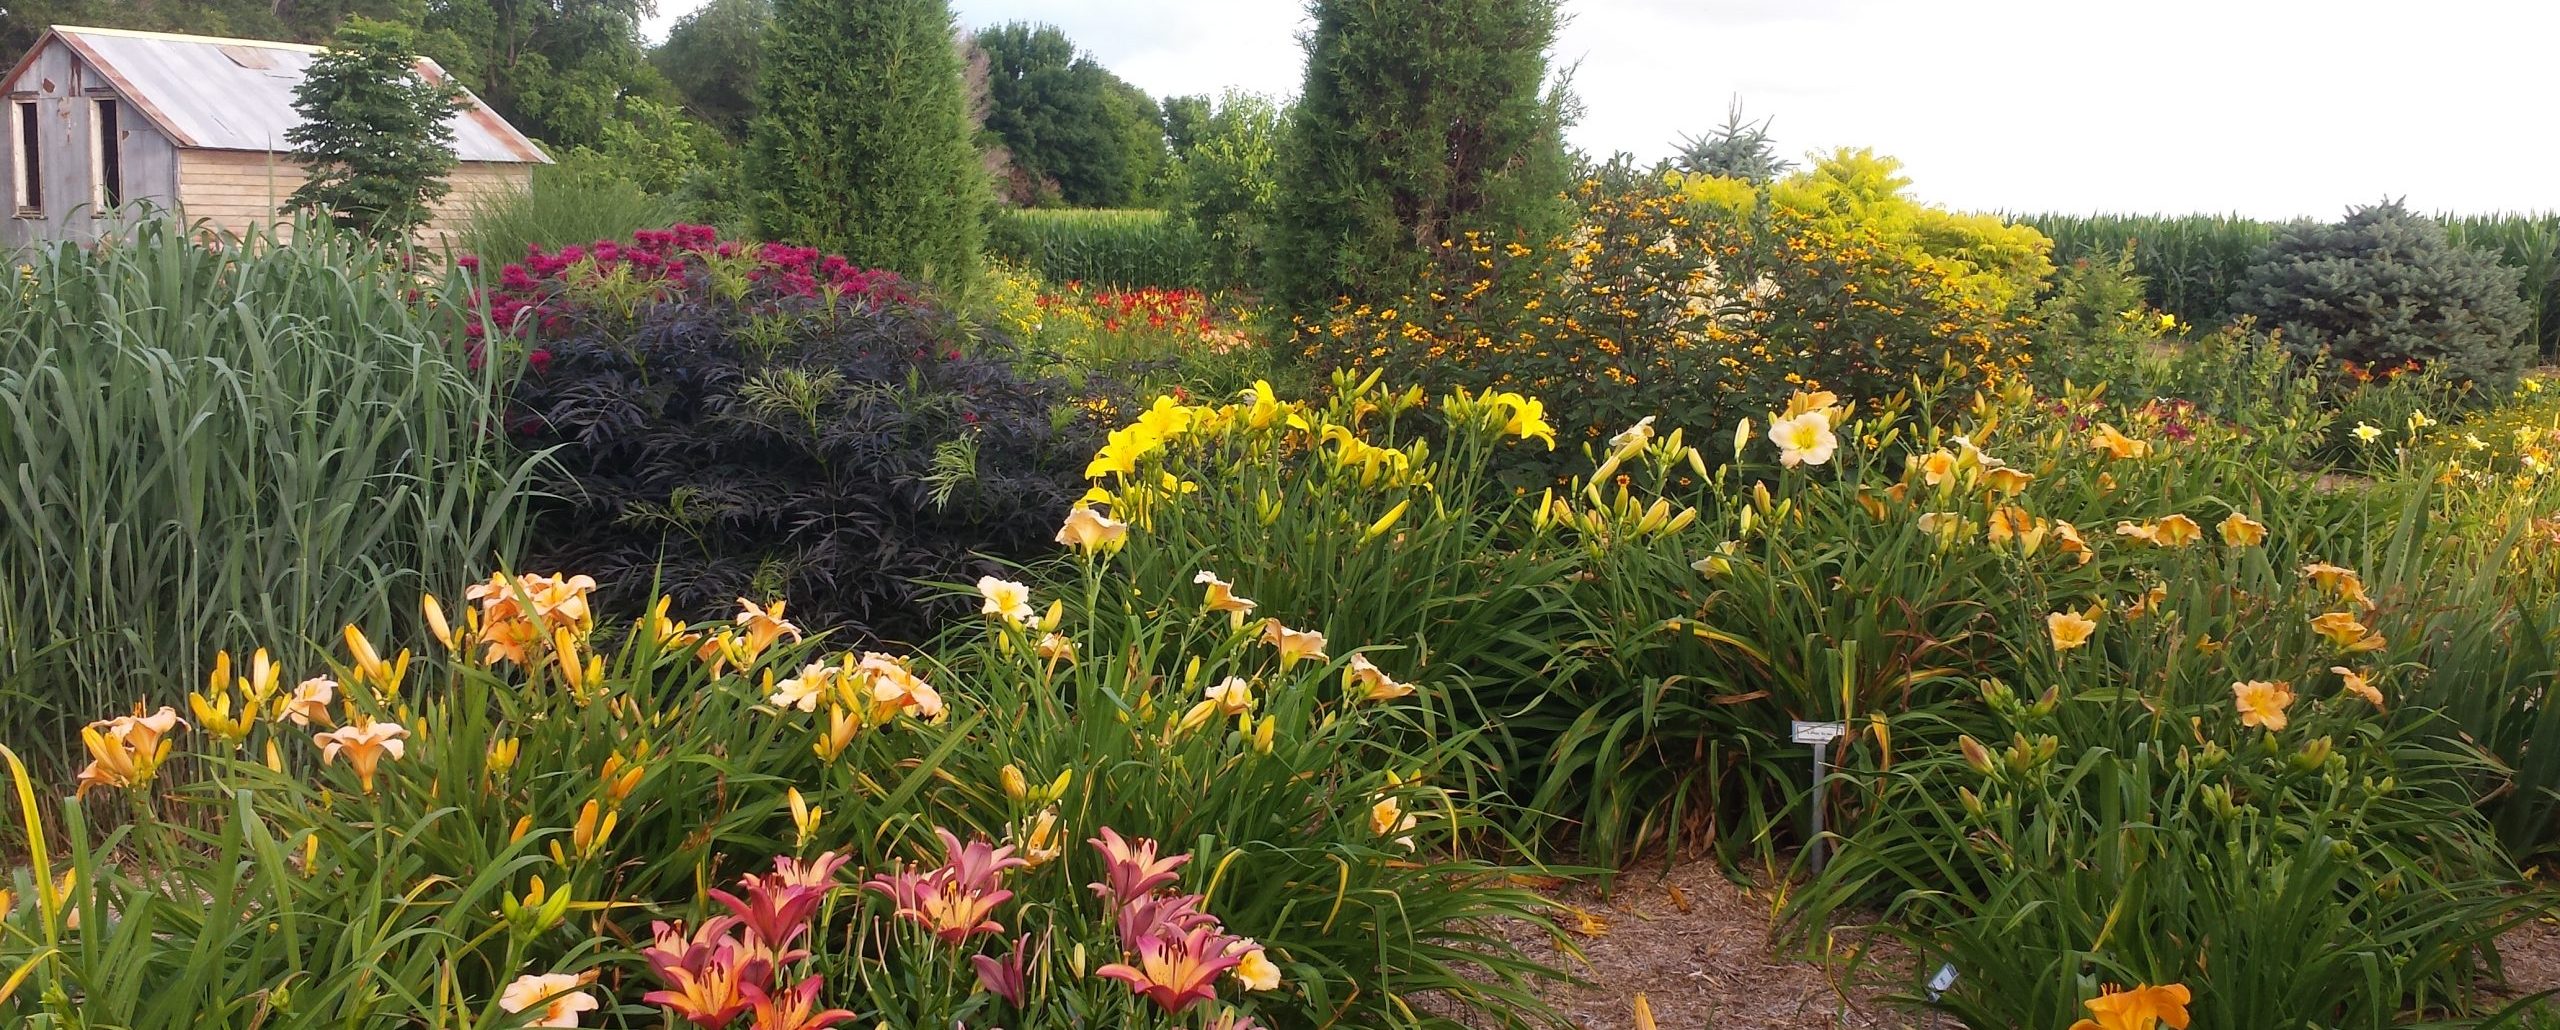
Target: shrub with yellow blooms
{"type": "Point", "coordinates": [1663, 305]}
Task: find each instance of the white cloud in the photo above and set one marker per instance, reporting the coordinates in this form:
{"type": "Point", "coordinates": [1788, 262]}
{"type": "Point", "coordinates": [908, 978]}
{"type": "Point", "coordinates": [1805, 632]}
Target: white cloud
{"type": "Point", "coordinates": [2268, 107]}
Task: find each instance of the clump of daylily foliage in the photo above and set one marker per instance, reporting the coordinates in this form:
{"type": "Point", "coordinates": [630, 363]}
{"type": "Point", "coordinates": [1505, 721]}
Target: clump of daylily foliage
{"type": "Point", "coordinates": [2124, 701]}
{"type": "Point", "coordinates": [475, 828]}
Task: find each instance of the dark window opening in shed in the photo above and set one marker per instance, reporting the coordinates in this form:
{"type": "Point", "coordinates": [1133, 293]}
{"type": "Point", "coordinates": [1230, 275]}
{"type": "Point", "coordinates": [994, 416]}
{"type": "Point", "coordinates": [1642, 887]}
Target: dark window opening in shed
{"type": "Point", "coordinates": [30, 163]}
{"type": "Point", "coordinates": [110, 164]}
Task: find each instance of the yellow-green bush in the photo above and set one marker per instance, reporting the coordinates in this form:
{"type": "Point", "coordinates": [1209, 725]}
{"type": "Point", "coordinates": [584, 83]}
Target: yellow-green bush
{"type": "Point", "coordinates": [1982, 257]}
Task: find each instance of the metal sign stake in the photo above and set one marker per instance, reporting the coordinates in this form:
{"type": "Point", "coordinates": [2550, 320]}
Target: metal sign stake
{"type": "Point", "coordinates": [1820, 735]}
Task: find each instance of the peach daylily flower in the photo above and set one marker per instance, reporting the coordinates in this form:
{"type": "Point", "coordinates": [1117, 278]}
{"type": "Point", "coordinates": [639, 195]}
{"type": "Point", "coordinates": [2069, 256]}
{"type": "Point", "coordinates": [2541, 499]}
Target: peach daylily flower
{"type": "Point", "coordinates": [1292, 644]}
{"type": "Point", "coordinates": [365, 743]}
{"type": "Point", "coordinates": [1233, 695]}
{"type": "Point", "coordinates": [1092, 532]}
{"type": "Point", "coordinates": [557, 997]}
{"type": "Point", "coordinates": [1222, 597]}
{"type": "Point", "coordinates": [762, 626]}
{"type": "Point", "coordinates": [2115, 445]}
{"type": "Point", "coordinates": [2354, 682]}
{"type": "Point", "coordinates": [1374, 683]}
{"type": "Point", "coordinates": [2262, 703]}
{"type": "Point", "coordinates": [311, 700]}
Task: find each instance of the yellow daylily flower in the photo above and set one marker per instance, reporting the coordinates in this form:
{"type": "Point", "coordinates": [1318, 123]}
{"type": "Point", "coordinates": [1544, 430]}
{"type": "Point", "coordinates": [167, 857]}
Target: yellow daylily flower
{"type": "Point", "coordinates": [2069, 629]}
{"type": "Point", "coordinates": [2242, 531]}
{"type": "Point", "coordinates": [1006, 600]}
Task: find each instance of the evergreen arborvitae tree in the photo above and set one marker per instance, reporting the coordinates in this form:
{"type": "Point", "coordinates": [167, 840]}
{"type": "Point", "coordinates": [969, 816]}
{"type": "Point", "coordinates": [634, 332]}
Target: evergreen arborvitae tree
{"type": "Point", "coordinates": [2386, 288]}
{"type": "Point", "coordinates": [374, 134]}
{"type": "Point", "coordinates": [1420, 120]}
{"type": "Point", "coordinates": [861, 143]}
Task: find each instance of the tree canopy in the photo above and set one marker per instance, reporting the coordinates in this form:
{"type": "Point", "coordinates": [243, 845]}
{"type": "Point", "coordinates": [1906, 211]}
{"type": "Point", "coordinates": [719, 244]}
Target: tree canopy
{"type": "Point", "coordinates": [1078, 134]}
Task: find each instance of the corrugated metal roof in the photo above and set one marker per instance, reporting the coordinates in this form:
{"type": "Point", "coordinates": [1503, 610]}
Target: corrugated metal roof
{"type": "Point", "coordinates": [237, 94]}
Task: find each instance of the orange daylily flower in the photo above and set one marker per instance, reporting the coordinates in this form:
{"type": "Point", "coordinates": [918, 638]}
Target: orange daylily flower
{"type": "Point", "coordinates": [761, 625]}
{"type": "Point", "coordinates": [2115, 445]}
{"type": "Point", "coordinates": [2343, 630]}
{"type": "Point", "coordinates": [2142, 1008]}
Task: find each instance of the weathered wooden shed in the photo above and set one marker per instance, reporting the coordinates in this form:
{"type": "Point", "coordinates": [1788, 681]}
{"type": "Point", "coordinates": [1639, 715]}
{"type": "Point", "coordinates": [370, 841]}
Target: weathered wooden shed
{"type": "Point", "coordinates": [99, 119]}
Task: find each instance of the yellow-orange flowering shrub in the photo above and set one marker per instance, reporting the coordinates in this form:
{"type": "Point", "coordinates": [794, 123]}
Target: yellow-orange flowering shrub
{"type": "Point", "coordinates": [1660, 305]}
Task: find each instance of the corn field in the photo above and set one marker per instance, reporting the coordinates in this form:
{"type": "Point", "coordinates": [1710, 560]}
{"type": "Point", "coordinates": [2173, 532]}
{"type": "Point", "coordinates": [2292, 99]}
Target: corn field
{"type": "Point", "coordinates": [1117, 248]}
{"type": "Point", "coordinates": [226, 448]}
{"type": "Point", "coordinates": [2192, 264]}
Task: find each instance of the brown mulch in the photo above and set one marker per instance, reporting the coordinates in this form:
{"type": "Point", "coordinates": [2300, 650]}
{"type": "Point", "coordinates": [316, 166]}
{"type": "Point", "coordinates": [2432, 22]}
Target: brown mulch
{"type": "Point", "coordinates": [1698, 947]}
{"type": "Point", "coordinates": [2531, 954]}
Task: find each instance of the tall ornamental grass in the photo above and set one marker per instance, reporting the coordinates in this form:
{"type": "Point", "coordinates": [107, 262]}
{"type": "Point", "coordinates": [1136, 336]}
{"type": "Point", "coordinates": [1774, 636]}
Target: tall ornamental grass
{"type": "Point", "coordinates": [214, 442]}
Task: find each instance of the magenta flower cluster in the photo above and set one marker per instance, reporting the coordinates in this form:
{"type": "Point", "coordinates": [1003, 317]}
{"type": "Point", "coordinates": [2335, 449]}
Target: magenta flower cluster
{"type": "Point", "coordinates": [535, 298]}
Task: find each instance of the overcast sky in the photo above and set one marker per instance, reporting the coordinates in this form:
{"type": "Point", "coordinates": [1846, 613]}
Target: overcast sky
{"type": "Point", "coordinates": [2273, 108]}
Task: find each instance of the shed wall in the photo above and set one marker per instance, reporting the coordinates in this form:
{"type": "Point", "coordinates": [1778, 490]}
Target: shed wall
{"type": "Point", "coordinates": [63, 88]}
{"type": "Point", "coordinates": [235, 189]}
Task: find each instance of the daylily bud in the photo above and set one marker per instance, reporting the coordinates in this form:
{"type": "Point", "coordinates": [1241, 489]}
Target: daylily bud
{"type": "Point", "coordinates": [1971, 801]}
{"type": "Point", "coordinates": [1388, 521]}
{"type": "Point", "coordinates": [804, 817]}
{"type": "Point", "coordinates": [1058, 787]}
{"type": "Point", "coordinates": [1975, 755]}
{"type": "Point", "coordinates": [1197, 717]}
{"type": "Point", "coordinates": [1015, 786]}
{"type": "Point", "coordinates": [2313, 755]}
{"type": "Point", "coordinates": [436, 623]}
{"type": "Point", "coordinates": [502, 755]}
{"type": "Point", "coordinates": [1262, 734]}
